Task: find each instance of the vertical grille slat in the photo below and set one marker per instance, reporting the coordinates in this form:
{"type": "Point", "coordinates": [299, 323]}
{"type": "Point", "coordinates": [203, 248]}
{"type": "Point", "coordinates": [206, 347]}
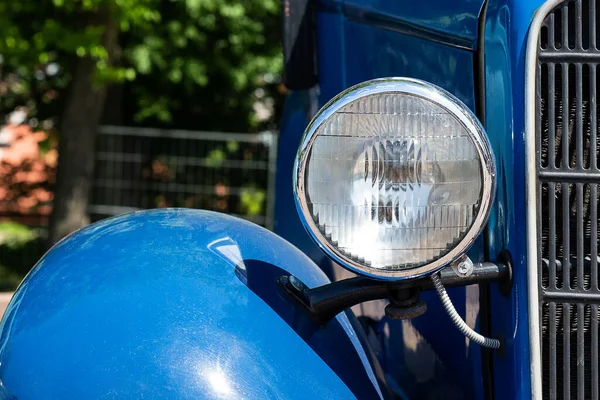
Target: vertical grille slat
{"type": "Point", "coordinates": [552, 207]}
{"type": "Point", "coordinates": [566, 272]}
{"type": "Point", "coordinates": [580, 352]}
{"type": "Point", "coordinates": [594, 339]}
{"type": "Point", "coordinates": [564, 125]}
{"type": "Point", "coordinates": [551, 115]}
{"type": "Point", "coordinates": [581, 283]}
{"type": "Point", "coordinates": [551, 37]}
{"type": "Point", "coordinates": [553, 362]}
{"type": "Point", "coordinates": [594, 237]}
{"type": "Point", "coordinates": [579, 115]}
{"type": "Point", "coordinates": [541, 71]}
{"type": "Point", "coordinates": [592, 21]}
{"type": "Point", "coordinates": [593, 115]}
{"type": "Point", "coordinates": [568, 179]}
{"type": "Point", "coordinates": [578, 31]}
{"type": "Point", "coordinates": [566, 350]}
{"type": "Point", "coordinates": [565, 26]}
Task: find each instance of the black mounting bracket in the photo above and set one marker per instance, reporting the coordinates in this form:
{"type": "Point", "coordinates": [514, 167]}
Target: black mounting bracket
{"type": "Point", "coordinates": [325, 302]}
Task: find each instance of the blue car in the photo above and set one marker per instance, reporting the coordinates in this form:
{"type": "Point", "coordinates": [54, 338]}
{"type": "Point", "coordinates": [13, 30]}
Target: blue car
{"type": "Point", "coordinates": [436, 230]}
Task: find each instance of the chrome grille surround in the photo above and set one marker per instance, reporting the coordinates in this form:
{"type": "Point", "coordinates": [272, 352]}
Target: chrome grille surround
{"type": "Point", "coordinates": [562, 147]}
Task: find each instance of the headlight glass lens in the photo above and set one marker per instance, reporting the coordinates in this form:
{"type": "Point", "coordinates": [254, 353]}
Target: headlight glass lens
{"type": "Point", "coordinates": [393, 182]}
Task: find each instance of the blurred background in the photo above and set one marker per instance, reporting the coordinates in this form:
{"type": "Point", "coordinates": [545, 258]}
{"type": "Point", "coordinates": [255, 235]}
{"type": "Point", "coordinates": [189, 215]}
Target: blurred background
{"type": "Point", "coordinates": [111, 106]}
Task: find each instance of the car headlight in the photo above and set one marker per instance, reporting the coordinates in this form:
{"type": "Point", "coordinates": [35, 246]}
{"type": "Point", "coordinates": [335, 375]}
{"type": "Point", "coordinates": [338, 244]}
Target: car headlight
{"type": "Point", "coordinates": [394, 178]}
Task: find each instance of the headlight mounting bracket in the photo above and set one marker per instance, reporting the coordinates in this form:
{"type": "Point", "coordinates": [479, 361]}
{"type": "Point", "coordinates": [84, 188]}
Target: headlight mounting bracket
{"type": "Point", "coordinates": [323, 303]}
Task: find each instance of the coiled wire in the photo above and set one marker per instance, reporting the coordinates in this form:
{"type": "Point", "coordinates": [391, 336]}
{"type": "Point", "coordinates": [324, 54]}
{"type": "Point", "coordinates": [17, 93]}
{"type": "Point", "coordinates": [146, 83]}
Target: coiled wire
{"type": "Point", "coordinates": [457, 320]}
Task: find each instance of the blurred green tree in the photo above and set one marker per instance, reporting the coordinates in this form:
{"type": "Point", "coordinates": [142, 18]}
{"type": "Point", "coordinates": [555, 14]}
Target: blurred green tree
{"type": "Point", "coordinates": [204, 64]}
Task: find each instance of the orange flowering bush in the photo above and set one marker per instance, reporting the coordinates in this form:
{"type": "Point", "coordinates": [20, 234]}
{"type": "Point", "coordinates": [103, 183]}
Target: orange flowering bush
{"type": "Point", "coordinates": [27, 171]}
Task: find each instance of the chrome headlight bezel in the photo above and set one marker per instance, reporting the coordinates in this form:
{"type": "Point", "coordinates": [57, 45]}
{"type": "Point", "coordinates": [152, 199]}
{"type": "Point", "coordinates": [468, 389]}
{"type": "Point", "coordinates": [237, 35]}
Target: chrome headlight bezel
{"type": "Point", "coordinates": [410, 87]}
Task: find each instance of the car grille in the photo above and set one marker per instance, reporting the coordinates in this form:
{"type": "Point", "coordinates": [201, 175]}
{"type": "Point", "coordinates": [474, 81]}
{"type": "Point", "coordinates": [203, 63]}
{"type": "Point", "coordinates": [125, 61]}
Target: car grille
{"type": "Point", "coordinates": [567, 149]}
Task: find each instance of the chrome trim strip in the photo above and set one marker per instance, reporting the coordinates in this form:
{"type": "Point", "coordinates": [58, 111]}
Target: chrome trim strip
{"type": "Point", "coordinates": [441, 98]}
{"type": "Point", "coordinates": [531, 185]}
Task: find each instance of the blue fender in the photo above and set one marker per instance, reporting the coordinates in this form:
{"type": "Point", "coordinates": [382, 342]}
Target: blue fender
{"type": "Point", "coordinates": [175, 304]}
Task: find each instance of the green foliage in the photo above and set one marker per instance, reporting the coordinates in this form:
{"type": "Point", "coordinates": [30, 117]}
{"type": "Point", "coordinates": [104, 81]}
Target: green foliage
{"type": "Point", "coordinates": [20, 248]}
{"type": "Point", "coordinates": [188, 64]}
{"type": "Point", "coordinates": [9, 279]}
{"type": "Point", "coordinates": [215, 53]}
{"type": "Point", "coordinates": [191, 60]}
{"type": "Point", "coordinates": [252, 200]}
{"type": "Point", "coordinates": [232, 146]}
{"type": "Point", "coordinates": [215, 158]}
{"type": "Point", "coordinates": [14, 235]}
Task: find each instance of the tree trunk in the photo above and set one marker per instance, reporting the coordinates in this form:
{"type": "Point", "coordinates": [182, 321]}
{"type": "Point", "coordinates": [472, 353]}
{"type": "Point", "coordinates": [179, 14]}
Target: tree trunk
{"type": "Point", "coordinates": [77, 136]}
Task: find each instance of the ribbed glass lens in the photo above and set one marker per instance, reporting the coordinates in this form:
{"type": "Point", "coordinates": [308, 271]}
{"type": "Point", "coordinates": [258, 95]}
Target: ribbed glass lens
{"type": "Point", "coordinates": [393, 181]}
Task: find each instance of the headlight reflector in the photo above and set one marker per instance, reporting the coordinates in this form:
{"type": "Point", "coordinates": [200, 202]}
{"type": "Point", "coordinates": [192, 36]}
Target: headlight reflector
{"type": "Point", "coordinates": [394, 178]}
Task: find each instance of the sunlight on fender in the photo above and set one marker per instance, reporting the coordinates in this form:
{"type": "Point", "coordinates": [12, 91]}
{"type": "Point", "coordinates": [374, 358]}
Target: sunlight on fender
{"type": "Point", "coordinates": [218, 381]}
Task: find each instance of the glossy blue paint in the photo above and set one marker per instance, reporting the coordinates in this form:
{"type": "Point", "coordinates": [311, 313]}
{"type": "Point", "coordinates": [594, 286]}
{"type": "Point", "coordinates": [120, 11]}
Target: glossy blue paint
{"type": "Point", "coordinates": [366, 40]}
{"type": "Point", "coordinates": [287, 222]}
{"type": "Point", "coordinates": [506, 30]}
{"type": "Point", "coordinates": [442, 21]}
{"type": "Point", "coordinates": [354, 47]}
{"type": "Point", "coordinates": [174, 304]}
{"type": "Point", "coordinates": [331, 52]}
{"type": "Point", "coordinates": [296, 116]}
{"type": "Point", "coordinates": [372, 52]}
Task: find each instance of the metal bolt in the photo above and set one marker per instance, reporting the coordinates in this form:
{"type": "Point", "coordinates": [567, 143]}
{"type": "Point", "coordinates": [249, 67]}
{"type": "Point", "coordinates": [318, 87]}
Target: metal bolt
{"type": "Point", "coordinates": [465, 267]}
{"type": "Point", "coordinates": [296, 283]}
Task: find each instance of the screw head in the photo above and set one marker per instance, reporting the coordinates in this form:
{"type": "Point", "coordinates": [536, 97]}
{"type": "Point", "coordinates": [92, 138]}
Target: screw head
{"type": "Point", "coordinates": [296, 283]}
{"type": "Point", "coordinates": [465, 267]}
